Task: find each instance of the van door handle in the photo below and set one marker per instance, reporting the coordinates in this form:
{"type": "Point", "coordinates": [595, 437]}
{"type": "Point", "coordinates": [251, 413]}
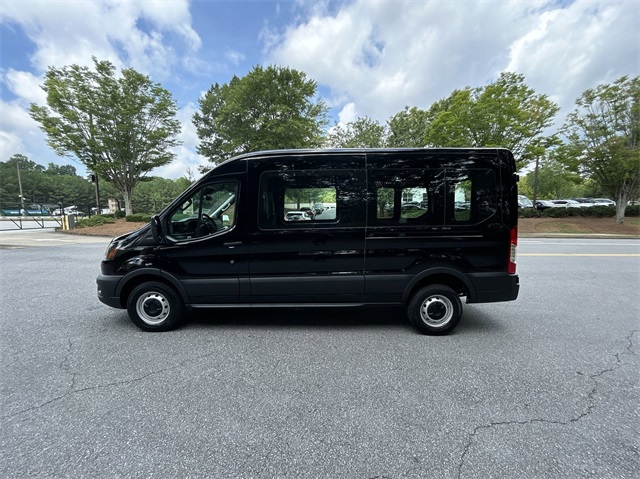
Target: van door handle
{"type": "Point", "coordinates": [232, 244]}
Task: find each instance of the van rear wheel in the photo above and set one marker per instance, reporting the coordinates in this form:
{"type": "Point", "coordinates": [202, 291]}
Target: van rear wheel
{"type": "Point", "coordinates": [435, 309]}
{"type": "Point", "coordinates": [155, 306]}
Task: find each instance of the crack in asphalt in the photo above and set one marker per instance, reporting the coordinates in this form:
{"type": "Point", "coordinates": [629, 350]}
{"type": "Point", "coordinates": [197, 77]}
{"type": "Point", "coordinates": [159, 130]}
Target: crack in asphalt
{"type": "Point", "coordinates": [590, 406]}
{"type": "Point", "coordinates": [65, 366]}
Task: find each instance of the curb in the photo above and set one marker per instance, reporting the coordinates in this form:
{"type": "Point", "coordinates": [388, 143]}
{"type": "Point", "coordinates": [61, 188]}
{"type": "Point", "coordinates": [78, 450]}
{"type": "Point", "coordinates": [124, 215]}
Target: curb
{"type": "Point", "coordinates": [578, 235]}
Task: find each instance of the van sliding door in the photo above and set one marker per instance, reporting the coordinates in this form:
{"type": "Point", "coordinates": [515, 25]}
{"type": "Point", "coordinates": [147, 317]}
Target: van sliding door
{"type": "Point", "coordinates": [308, 246]}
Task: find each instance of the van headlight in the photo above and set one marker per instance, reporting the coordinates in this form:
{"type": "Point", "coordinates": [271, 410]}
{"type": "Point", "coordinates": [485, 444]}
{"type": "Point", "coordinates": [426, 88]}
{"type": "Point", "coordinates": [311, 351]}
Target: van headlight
{"type": "Point", "coordinates": [113, 251]}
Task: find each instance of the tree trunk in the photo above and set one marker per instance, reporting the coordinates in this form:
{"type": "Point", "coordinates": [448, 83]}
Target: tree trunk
{"type": "Point", "coordinates": [126, 195]}
{"type": "Point", "coordinates": [621, 206]}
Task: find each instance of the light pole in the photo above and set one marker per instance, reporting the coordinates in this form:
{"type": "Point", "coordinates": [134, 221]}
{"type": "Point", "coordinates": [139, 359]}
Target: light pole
{"type": "Point", "coordinates": [20, 185]}
{"type": "Point", "coordinates": [535, 182]}
{"type": "Point", "coordinates": [94, 180]}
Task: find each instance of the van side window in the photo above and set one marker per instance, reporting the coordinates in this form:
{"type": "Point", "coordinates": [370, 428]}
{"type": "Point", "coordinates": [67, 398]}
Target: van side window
{"type": "Point", "coordinates": [406, 196]}
{"type": "Point", "coordinates": [208, 210]}
{"type": "Point", "coordinates": [471, 195]}
{"type": "Point", "coordinates": [313, 198]}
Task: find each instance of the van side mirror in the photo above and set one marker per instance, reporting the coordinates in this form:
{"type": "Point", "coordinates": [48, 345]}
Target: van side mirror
{"type": "Point", "coordinates": [156, 229]}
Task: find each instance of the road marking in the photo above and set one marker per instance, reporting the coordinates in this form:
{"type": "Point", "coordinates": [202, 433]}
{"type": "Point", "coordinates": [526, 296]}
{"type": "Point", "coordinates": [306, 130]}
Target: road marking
{"type": "Point", "coordinates": [582, 254]}
{"type": "Point", "coordinates": [54, 239]}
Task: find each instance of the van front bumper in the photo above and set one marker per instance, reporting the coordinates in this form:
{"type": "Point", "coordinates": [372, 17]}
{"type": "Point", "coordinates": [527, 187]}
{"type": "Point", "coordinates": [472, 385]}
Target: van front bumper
{"type": "Point", "coordinates": [494, 287]}
{"type": "Point", "coordinates": [107, 286]}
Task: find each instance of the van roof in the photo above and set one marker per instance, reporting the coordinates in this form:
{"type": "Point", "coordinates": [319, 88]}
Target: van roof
{"type": "Point", "coordinates": [353, 150]}
{"type": "Point", "coordinates": [335, 151]}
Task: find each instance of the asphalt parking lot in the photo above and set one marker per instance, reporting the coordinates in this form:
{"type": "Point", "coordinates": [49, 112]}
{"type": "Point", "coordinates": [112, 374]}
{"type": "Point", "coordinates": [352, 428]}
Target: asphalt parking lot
{"type": "Point", "coordinates": [547, 386]}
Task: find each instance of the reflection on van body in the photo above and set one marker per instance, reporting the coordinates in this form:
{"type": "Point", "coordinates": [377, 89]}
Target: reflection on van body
{"type": "Point", "coordinates": [415, 227]}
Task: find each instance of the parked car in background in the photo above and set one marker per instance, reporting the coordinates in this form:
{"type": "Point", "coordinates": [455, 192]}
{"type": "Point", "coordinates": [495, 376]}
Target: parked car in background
{"type": "Point", "coordinates": [542, 205]}
{"type": "Point", "coordinates": [524, 202]}
{"type": "Point", "coordinates": [604, 202]}
{"type": "Point", "coordinates": [297, 216]}
{"type": "Point", "coordinates": [585, 202]}
{"type": "Point", "coordinates": [565, 204]}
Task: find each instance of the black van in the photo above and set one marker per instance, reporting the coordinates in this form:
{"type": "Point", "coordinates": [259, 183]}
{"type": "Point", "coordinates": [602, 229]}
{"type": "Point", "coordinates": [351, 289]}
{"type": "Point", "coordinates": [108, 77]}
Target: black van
{"type": "Point", "coordinates": [324, 228]}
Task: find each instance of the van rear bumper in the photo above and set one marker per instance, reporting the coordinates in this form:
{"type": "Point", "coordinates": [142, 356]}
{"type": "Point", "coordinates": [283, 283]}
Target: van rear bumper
{"type": "Point", "coordinates": [494, 287]}
{"type": "Point", "coordinates": [107, 286]}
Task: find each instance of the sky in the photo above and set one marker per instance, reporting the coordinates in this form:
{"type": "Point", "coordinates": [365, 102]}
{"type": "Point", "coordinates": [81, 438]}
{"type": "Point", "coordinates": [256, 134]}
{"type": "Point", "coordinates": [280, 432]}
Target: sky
{"type": "Point", "coordinates": [369, 58]}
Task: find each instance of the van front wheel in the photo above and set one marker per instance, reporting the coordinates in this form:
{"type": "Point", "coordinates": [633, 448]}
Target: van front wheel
{"type": "Point", "coordinates": [155, 307]}
{"type": "Point", "coordinates": [435, 309]}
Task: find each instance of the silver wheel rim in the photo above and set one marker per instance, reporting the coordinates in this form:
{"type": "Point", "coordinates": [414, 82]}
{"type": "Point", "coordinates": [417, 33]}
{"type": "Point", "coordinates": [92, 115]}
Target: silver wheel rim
{"type": "Point", "coordinates": [436, 311]}
{"type": "Point", "coordinates": [153, 308]}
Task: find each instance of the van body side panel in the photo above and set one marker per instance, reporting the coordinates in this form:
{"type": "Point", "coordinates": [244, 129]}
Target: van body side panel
{"type": "Point", "coordinates": [307, 266]}
{"type": "Point", "coordinates": [394, 259]}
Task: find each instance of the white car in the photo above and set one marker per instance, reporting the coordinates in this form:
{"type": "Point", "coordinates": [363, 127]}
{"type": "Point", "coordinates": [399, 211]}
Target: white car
{"type": "Point", "coordinates": [584, 202]}
{"type": "Point", "coordinates": [524, 202]}
{"type": "Point", "coordinates": [603, 202]}
{"type": "Point", "coordinates": [566, 204]}
{"type": "Point", "coordinates": [297, 216]}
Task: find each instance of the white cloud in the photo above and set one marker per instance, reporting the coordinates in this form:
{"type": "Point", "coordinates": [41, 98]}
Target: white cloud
{"type": "Point", "coordinates": [154, 37]}
{"type": "Point", "coordinates": [72, 32]}
{"type": "Point", "coordinates": [569, 50]}
{"type": "Point", "coordinates": [19, 133]}
{"type": "Point", "coordinates": [381, 56]}
{"type": "Point", "coordinates": [234, 57]}
{"type": "Point", "coordinates": [347, 114]}
{"type": "Point", "coordinates": [25, 86]}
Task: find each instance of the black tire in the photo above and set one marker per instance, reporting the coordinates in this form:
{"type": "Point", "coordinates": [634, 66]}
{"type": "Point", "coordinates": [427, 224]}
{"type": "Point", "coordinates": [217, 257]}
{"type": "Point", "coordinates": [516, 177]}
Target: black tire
{"type": "Point", "coordinates": [435, 309]}
{"type": "Point", "coordinates": [155, 307]}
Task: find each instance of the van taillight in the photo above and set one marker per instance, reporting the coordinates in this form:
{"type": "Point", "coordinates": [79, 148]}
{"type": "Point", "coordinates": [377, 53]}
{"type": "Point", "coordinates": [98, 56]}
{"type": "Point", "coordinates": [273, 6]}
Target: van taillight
{"type": "Point", "coordinates": [513, 246]}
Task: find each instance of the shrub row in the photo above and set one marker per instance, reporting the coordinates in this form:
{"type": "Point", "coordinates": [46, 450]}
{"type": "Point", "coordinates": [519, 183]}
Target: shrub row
{"type": "Point", "coordinates": [95, 221]}
{"type": "Point", "coordinates": [139, 218]}
{"type": "Point", "coordinates": [593, 212]}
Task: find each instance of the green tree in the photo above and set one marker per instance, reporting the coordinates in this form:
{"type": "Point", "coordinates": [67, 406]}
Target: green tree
{"type": "Point", "coordinates": [269, 108]}
{"type": "Point", "coordinates": [42, 186]}
{"type": "Point", "coordinates": [555, 181]}
{"type": "Point", "coordinates": [53, 169]}
{"type": "Point", "coordinates": [361, 133]}
{"type": "Point", "coordinates": [120, 128]}
{"type": "Point", "coordinates": [155, 193]}
{"type": "Point", "coordinates": [603, 134]}
{"type": "Point", "coordinates": [408, 128]}
{"type": "Point", "coordinates": [506, 113]}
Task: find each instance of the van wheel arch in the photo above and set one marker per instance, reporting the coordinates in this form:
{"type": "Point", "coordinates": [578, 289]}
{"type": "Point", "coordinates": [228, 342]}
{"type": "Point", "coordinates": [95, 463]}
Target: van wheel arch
{"type": "Point", "coordinates": [454, 279]}
{"type": "Point", "coordinates": [136, 281]}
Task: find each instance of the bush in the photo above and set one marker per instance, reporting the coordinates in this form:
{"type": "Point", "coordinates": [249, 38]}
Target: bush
{"type": "Point", "coordinates": [590, 212]}
{"type": "Point", "coordinates": [529, 213]}
{"type": "Point", "coordinates": [559, 212]}
{"type": "Point", "coordinates": [97, 220]}
{"type": "Point", "coordinates": [120, 214]}
{"type": "Point", "coordinates": [139, 218]}
{"type": "Point", "coordinates": [633, 210]}
{"type": "Point", "coordinates": [599, 211]}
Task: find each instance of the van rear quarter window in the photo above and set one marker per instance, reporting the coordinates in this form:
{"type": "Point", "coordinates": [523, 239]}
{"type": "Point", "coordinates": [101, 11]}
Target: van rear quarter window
{"type": "Point", "coordinates": [433, 196]}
